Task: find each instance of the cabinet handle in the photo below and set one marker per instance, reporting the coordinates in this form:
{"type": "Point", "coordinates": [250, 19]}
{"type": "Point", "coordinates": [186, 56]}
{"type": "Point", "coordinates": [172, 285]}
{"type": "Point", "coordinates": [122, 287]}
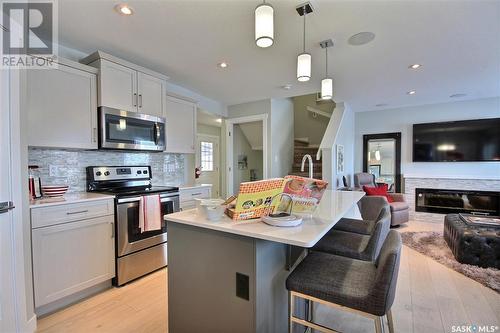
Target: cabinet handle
{"type": "Point", "coordinates": [94, 135]}
{"type": "Point", "coordinates": [112, 230]}
{"type": "Point", "coordinates": [140, 100]}
{"type": "Point", "coordinates": [79, 212]}
{"type": "Point", "coordinates": [193, 194]}
{"type": "Point", "coordinates": [134, 100]}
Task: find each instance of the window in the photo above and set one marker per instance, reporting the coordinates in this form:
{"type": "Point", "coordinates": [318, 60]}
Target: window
{"type": "Point", "coordinates": [207, 156]}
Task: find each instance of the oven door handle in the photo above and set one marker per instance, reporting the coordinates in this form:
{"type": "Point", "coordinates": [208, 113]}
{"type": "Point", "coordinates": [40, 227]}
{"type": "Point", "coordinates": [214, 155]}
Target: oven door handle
{"type": "Point", "coordinates": [157, 133]}
{"type": "Point", "coordinates": [125, 200]}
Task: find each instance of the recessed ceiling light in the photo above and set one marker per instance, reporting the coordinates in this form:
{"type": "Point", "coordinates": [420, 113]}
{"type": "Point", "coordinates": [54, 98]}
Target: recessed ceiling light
{"type": "Point", "coordinates": [361, 38]}
{"type": "Point", "coordinates": [412, 92]}
{"type": "Point", "coordinates": [124, 9]}
{"type": "Point", "coordinates": [380, 104]}
{"type": "Point", "coordinates": [458, 95]}
{"type": "Point", "coordinates": [415, 66]}
{"type": "Point", "coordinates": [222, 64]}
{"type": "Point", "coordinates": [287, 87]}
{"type": "Point", "coordinates": [219, 120]}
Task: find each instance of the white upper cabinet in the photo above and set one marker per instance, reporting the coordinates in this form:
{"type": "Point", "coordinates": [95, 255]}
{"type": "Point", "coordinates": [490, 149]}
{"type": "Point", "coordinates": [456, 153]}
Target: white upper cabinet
{"type": "Point", "coordinates": [180, 115]}
{"type": "Point", "coordinates": [118, 86]}
{"type": "Point", "coordinates": [61, 106]}
{"type": "Point", "coordinates": [151, 95]}
{"type": "Point", "coordinates": [126, 86]}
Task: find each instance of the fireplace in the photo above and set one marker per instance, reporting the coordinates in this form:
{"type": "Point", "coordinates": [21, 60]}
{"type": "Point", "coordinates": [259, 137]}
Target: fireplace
{"type": "Point", "coordinates": [457, 201]}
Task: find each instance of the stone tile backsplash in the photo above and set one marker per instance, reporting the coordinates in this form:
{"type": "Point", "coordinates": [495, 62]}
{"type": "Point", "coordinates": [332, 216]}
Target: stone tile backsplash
{"type": "Point", "coordinates": [69, 165]}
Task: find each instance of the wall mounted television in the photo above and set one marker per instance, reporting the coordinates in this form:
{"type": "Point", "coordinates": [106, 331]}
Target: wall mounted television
{"type": "Point", "coordinates": [457, 141]}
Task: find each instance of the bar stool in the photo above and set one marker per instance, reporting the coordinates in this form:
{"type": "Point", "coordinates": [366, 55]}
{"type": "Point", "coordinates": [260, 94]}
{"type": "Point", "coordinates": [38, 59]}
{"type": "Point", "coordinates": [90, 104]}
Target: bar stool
{"type": "Point", "coordinates": [355, 245]}
{"type": "Point", "coordinates": [362, 287]}
{"type": "Point", "coordinates": [372, 209]}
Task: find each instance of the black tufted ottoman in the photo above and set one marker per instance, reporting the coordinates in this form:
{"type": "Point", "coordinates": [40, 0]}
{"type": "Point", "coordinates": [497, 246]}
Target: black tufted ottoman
{"type": "Point", "coordinates": [471, 244]}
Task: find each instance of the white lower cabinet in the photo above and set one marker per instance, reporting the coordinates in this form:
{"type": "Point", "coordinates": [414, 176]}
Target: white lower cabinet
{"type": "Point", "coordinates": [188, 196]}
{"type": "Point", "coordinates": [73, 256]}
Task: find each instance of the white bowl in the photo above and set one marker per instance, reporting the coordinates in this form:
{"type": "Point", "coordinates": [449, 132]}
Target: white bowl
{"type": "Point", "coordinates": [212, 209]}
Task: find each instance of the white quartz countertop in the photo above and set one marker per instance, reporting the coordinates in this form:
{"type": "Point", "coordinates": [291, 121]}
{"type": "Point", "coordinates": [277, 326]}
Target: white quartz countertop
{"type": "Point", "coordinates": [69, 198]}
{"type": "Point", "coordinates": [193, 186]}
{"type": "Point", "coordinates": [333, 206]}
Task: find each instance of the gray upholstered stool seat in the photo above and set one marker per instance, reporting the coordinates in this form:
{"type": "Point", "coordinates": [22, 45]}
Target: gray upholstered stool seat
{"type": "Point", "coordinates": [355, 245]}
{"type": "Point", "coordinates": [371, 209]}
{"type": "Point", "coordinates": [367, 288]}
{"type": "Point", "coordinates": [336, 279]}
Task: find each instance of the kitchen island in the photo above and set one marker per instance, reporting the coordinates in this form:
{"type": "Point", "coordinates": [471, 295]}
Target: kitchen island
{"type": "Point", "coordinates": [229, 276]}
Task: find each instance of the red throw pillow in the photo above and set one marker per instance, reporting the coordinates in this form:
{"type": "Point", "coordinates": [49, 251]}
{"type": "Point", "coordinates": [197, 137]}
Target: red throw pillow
{"type": "Point", "coordinates": [380, 190]}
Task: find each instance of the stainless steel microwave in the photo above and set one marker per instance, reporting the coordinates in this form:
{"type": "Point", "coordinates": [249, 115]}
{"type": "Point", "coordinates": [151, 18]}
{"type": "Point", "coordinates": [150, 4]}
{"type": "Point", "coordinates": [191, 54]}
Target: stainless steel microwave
{"type": "Point", "coordinates": [126, 130]}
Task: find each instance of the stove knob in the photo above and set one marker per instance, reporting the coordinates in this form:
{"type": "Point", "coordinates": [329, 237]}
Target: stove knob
{"type": "Point", "coordinates": [139, 172]}
{"type": "Point", "coordinates": [98, 173]}
{"type": "Point", "coordinates": [145, 172]}
{"type": "Point", "coordinates": [106, 173]}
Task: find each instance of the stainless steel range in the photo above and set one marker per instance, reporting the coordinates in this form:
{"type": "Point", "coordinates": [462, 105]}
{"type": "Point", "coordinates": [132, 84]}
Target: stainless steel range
{"type": "Point", "coordinates": [138, 252]}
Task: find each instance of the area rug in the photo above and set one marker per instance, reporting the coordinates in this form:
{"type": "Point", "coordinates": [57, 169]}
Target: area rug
{"type": "Point", "coordinates": [432, 244]}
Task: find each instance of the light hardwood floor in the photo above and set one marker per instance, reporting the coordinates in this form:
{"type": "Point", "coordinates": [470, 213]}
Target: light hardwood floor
{"type": "Point", "coordinates": [429, 298]}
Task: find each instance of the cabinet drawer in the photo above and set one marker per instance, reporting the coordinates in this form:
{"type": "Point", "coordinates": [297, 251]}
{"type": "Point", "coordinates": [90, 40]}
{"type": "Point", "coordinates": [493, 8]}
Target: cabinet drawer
{"type": "Point", "coordinates": [46, 216]}
{"type": "Point", "coordinates": [194, 193]}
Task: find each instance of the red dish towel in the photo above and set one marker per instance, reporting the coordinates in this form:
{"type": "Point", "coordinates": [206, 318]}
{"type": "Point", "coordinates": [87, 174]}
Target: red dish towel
{"type": "Point", "coordinates": [150, 213]}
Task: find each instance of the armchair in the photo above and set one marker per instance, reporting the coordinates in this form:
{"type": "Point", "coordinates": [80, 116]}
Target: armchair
{"type": "Point", "coordinates": [400, 210]}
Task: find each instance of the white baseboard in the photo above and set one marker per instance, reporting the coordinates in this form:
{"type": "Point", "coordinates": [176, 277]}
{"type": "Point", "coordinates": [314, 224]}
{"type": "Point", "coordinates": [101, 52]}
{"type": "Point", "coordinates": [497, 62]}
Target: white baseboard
{"type": "Point", "coordinates": [30, 325]}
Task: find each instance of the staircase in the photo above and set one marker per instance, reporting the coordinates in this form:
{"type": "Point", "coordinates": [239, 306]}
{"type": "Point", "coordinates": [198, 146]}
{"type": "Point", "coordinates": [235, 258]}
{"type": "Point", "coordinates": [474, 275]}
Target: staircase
{"type": "Point", "coordinates": [302, 148]}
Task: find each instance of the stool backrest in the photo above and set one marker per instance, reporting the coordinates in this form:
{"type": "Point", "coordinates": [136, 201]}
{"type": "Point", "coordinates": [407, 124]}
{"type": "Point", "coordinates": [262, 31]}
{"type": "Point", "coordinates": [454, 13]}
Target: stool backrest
{"type": "Point", "coordinates": [387, 264]}
{"type": "Point", "coordinates": [372, 207]}
{"type": "Point", "coordinates": [379, 233]}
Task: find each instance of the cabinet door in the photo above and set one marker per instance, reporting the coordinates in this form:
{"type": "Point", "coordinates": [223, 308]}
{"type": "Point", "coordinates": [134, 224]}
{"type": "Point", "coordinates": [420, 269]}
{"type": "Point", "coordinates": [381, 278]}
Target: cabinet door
{"type": "Point", "coordinates": [62, 109]}
{"type": "Point", "coordinates": [118, 86]}
{"type": "Point", "coordinates": [71, 257]}
{"type": "Point", "coordinates": [181, 125]}
{"type": "Point", "coordinates": [152, 95]}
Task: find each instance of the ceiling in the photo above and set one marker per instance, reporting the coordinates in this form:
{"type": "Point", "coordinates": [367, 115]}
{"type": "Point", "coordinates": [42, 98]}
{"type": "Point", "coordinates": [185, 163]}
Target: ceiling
{"type": "Point", "coordinates": [458, 43]}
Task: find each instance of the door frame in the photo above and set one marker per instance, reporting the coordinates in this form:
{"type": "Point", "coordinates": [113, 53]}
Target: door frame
{"type": "Point", "coordinates": [14, 89]}
{"type": "Point", "coordinates": [229, 146]}
{"type": "Point", "coordinates": [397, 137]}
{"type": "Point", "coordinates": [197, 158]}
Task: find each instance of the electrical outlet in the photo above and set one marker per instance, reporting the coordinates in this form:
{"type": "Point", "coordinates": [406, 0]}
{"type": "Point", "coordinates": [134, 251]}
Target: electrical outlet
{"type": "Point", "coordinates": [54, 171]}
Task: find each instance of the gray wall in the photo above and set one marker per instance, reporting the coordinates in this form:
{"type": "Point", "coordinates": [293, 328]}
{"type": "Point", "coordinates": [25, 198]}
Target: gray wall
{"type": "Point", "coordinates": [167, 169]}
{"type": "Point", "coordinates": [280, 131]}
{"type": "Point", "coordinates": [305, 125]}
{"type": "Point", "coordinates": [346, 138]}
{"type": "Point", "coordinates": [282, 135]}
{"type": "Point", "coordinates": [402, 119]}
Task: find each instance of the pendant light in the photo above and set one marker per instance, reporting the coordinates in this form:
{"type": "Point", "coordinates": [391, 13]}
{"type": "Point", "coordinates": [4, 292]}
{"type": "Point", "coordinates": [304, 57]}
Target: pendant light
{"type": "Point", "coordinates": [326, 83]}
{"type": "Point", "coordinates": [264, 25]}
{"type": "Point", "coordinates": [304, 59]}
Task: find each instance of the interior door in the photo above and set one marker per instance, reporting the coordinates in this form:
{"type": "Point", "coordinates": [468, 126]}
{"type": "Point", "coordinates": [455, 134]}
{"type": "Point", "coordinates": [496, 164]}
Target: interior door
{"type": "Point", "coordinates": [208, 158]}
{"type": "Point", "coordinates": [7, 269]}
{"type": "Point", "coordinates": [152, 95]}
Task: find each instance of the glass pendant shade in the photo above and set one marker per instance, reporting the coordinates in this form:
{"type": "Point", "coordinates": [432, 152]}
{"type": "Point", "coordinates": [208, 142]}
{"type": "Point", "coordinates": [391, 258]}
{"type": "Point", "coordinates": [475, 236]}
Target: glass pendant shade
{"type": "Point", "coordinates": [304, 67]}
{"type": "Point", "coordinates": [377, 155]}
{"type": "Point", "coordinates": [264, 25]}
{"type": "Point", "coordinates": [326, 88]}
